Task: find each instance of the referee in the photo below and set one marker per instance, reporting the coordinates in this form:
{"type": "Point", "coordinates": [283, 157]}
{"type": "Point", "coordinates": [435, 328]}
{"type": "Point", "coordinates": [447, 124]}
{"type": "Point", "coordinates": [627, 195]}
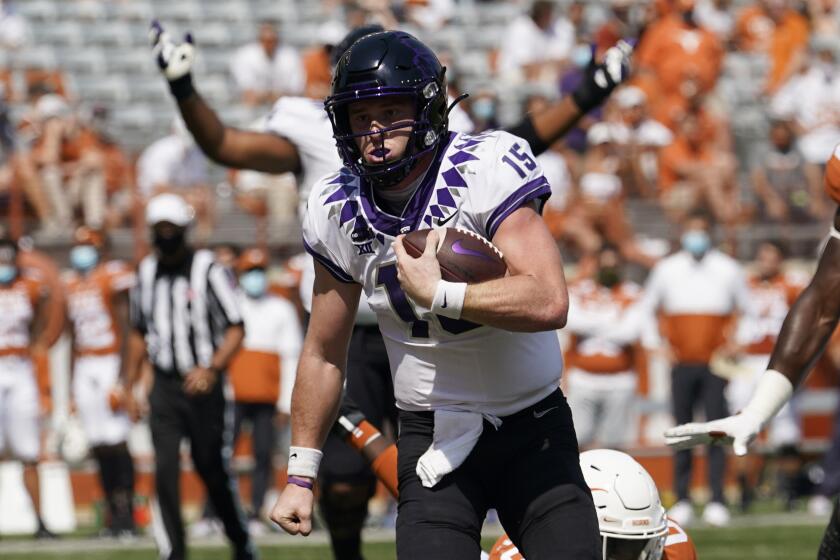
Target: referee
{"type": "Point", "coordinates": [185, 318]}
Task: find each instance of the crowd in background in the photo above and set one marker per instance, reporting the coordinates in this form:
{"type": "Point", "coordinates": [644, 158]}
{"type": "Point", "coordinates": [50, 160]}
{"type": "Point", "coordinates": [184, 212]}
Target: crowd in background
{"type": "Point", "coordinates": [665, 149]}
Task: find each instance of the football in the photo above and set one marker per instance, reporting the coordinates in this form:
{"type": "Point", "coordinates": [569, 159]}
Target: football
{"type": "Point", "coordinates": [464, 256]}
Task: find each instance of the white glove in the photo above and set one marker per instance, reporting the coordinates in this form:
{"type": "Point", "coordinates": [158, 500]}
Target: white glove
{"type": "Point", "coordinates": [174, 59]}
{"type": "Point", "coordinates": [738, 431]}
{"type": "Point", "coordinates": [773, 391]}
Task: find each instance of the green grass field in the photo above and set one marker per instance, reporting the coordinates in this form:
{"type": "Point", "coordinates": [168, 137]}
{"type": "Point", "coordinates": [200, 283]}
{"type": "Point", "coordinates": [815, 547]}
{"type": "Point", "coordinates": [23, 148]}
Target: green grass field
{"type": "Point", "coordinates": [766, 543]}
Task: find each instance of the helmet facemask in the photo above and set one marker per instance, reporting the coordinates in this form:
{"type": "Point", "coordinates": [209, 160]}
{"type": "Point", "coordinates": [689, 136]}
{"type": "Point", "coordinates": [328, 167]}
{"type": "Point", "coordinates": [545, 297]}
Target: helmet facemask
{"type": "Point", "coordinates": [617, 548]}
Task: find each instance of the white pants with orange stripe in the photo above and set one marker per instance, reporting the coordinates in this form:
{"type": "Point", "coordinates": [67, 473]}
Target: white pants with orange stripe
{"type": "Point", "coordinates": [20, 434]}
{"type": "Point", "coordinates": [603, 406]}
{"type": "Point", "coordinates": [784, 428]}
{"type": "Point", "coordinates": [93, 379]}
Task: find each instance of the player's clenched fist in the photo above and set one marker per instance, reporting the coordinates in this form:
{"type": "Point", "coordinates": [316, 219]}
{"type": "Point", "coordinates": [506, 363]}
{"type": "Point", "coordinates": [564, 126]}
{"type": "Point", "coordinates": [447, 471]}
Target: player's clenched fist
{"type": "Point", "coordinates": [174, 59]}
{"type": "Point", "coordinates": [419, 276]}
{"type": "Point", "coordinates": [293, 510]}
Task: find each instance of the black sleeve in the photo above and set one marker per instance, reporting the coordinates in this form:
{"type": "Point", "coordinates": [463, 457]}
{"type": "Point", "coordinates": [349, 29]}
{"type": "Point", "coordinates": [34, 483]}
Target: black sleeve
{"type": "Point", "coordinates": [525, 130]}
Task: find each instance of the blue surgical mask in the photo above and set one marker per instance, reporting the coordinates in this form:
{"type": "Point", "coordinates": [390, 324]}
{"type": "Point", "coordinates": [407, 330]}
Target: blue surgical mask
{"type": "Point", "coordinates": [254, 282]}
{"type": "Point", "coordinates": [483, 109]}
{"type": "Point", "coordinates": [581, 55]}
{"type": "Point", "coordinates": [84, 257]}
{"type": "Point", "coordinates": [696, 242]}
{"type": "Point", "coordinates": [7, 273]}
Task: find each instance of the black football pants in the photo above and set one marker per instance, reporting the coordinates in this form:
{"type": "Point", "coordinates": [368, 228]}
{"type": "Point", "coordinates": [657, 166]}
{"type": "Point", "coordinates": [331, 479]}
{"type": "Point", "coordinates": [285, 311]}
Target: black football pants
{"type": "Point", "coordinates": [690, 384]}
{"type": "Point", "coordinates": [528, 469]}
{"type": "Point", "coordinates": [207, 421]}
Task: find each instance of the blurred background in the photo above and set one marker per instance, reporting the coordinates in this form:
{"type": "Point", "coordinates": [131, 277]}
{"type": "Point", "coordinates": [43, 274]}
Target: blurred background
{"type": "Point", "coordinates": [733, 112]}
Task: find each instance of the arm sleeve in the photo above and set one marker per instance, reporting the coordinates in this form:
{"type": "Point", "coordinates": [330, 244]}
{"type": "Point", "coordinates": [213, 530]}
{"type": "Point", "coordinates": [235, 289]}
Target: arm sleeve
{"type": "Point", "coordinates": [516, 179]}
{"type": "Point", "coordinates": [220, 284]}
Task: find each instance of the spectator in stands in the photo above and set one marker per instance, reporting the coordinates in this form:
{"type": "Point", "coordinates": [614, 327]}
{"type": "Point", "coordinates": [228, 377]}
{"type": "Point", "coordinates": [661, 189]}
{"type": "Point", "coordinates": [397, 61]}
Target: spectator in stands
{"type": "Point", "coordinates": [695, 173]}
{"type": "Point", "coordinates": [70, 164]}
{"type": "Point", "coordinates": [809, 99]}
{"type": "Point", "coordinates": [716, 16]}
{"type": "Point", "coordinates": [643, 139]}
{"type": "Point", "coordinates": [17, 167]}
{"type": "Point", "coordinates": [317, 65]}
{"type": "Point", "coordinates": [823, 17]}
{"type": "Point", "coordinates": [227, 255]}
{"type": "Point", "coordinates": [780, 182]}
{"type": "Point", "coordinates": [14, 29]}
{"type": "Point", "coordinates": [265, 70]}
{"type": "Point", "coordinates": [118, 173]}
{"type": "Point", "coordinates": [681, 57]}
{"type": "Point", "coordinates": [262, 373]}
{"type": "Point", "coordinates": [696, 292]}
{"type": "Point", "coordinates": [175, 164]}
{"type": "Point", "coordinates": [535, 45]}
{"type": "Point", "coordinates": [429, 15]}
{"type": "Point", "coordinates": [267, 195]}
{"type": "Point", "coordinates": [483, 111]}
{"type": "Point", "coordinates": [777, 29]}
{"type": "Point", "coordinates": [600, 377]}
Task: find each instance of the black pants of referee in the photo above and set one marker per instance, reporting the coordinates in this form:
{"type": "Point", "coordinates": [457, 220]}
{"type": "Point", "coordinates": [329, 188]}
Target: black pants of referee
{"type": "Point", "coordinates": [690, 384]}
{"type": "Point", "coordinates": [528, 469]}
{"type": "Point", "coordinates": [207, 421]}
{"type": "Point", "coordinates": [346, 481]}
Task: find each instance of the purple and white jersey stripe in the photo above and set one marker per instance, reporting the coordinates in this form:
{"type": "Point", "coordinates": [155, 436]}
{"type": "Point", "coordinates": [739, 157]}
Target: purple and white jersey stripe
{"type": "Point", "coordinates": [475, 183]}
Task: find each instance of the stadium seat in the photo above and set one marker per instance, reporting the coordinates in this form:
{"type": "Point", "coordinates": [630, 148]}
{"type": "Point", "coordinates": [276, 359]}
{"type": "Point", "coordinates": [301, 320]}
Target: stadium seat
{"type": "Point", "coordinates": [107, 89]}
{"type": "Point", "coordinates": [40, 56]}
{"type": "Point", "coordinates": [37, 10]}
{"type": "Point", "coordinates": [89, 60]}
{"type": "Point", "coordinates": [68, 34]}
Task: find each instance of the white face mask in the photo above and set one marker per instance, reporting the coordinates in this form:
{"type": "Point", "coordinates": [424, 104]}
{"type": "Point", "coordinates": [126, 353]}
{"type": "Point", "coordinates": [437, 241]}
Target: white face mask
{"type": "Point", "coordinates": [84, 257]}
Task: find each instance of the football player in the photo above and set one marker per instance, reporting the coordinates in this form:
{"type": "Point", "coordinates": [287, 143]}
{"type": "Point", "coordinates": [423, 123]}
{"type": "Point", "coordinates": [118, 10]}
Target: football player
{"type": "Point", "coordinates": [23, 317]}
{"type": "Point", "coordinates": [631, 518]}
{"type": "Point", "coordinates": [297, 136]}
{"type": "Point", "coordinates": [804, 334]}
{"type": "Point", "coordinates": [97, 308]}
{"type": "Point", "coordinates": [476, 368]}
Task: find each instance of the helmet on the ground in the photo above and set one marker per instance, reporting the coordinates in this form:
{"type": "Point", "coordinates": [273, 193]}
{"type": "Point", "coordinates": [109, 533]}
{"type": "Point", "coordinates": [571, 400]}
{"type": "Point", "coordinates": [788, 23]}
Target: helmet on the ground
{"type": "Point", "coordinates": [631, 518]}
{"type": "Point", "coordinates": [390, 63]}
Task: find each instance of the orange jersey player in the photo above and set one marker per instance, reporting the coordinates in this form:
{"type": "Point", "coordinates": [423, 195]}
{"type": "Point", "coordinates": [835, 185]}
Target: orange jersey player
{"type": "Point", "coordinates": [23, 310]}
{"type": "Point", "coordinates": [97, 309]}
{"type": "Point", "coordinates": [631, 518]}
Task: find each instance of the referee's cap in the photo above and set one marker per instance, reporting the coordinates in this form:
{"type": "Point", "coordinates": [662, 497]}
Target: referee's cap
{"type": "Point", "coordinates": [169, 208]}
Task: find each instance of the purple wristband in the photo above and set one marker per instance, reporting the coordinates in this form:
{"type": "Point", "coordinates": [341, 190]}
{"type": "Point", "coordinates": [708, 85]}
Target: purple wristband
{"type": "Point", "coordinates": [302, 482]}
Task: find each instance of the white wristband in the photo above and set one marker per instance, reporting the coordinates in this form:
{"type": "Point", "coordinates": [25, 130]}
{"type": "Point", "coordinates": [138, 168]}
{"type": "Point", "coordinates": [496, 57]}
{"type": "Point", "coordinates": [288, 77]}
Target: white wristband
{"type": "Point", "coordinates": [771, 394]}
{"type": "Point", "coordinates": [449, 299]}
{"type": "Point", "coordinates": [304, 461]}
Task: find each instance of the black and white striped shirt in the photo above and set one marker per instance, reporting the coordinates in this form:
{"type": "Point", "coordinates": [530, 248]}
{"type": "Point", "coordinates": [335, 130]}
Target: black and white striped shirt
{"type": "Point", "coordinates": [184, 311]}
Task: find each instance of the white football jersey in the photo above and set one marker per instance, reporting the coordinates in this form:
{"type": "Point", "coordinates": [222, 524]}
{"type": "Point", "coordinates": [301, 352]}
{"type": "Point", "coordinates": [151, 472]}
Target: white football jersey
{"type": "Point", "coordinates": [304, 123]}
{"type": "Point", "coordinates": [474, 183]}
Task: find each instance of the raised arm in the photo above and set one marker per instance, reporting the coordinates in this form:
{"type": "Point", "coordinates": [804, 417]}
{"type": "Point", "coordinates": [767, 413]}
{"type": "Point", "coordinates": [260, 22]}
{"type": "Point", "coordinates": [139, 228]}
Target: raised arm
{"type": "Point", "coordinates": [544, 129]}
{"type": "Point", "coordinates": [317, 394]}
{"type": "Point", "coordinates": [228, 146]}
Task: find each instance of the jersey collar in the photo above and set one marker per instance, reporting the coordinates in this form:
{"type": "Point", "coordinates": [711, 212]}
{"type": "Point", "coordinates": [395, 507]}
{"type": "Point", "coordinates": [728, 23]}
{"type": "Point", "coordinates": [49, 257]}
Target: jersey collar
{"type": "Point", "coordinates": [414, 209]}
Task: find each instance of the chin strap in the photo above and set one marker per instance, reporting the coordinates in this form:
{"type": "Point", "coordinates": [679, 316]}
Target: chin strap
{"type": "Point", "coordinates": [455, 102]}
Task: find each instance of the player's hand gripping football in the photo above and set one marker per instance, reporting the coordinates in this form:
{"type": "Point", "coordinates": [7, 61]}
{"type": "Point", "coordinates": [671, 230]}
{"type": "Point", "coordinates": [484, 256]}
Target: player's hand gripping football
{"type": "Point", "coordinates": [738, 430]}
{"type": "Point", "coordinates": [419, 277]}
{"type": "Point", "coordinates": [293, 510]}
{"type": "Point", "coordinates": [174, 59]}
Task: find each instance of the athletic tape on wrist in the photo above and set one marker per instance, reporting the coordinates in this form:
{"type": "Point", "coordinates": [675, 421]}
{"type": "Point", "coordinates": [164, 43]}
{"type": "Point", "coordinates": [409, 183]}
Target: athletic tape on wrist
{"type": "Point", "coordinates": [302, 482]}
{"type": "Point", "coordinates": [304, 461]}
{"type": "Point", "coordinates": [773, 391]}
{"type": "Point", "coordinates": [449, 299]}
